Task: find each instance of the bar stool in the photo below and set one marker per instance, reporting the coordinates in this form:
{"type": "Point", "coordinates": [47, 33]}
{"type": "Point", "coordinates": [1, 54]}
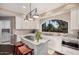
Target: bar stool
{"type": "Point", "coordinates": [18, 44]}
{"type": "Point", "coordinates": [25, 50]}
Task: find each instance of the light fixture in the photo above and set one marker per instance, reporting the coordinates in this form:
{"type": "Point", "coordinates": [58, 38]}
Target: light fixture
{"type": "Point", "coordinates": [30, 18]}
{"type": "Point", "coordinates": [36, 14]}
{"type": "Point", "coordinates": [25, 19]}
{"type": "Point", "coordinates": [32, 14]}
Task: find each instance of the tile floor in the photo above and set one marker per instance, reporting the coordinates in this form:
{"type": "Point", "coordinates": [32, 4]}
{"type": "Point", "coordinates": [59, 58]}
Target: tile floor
{"type": "Point", "coordinates": [51, 52]}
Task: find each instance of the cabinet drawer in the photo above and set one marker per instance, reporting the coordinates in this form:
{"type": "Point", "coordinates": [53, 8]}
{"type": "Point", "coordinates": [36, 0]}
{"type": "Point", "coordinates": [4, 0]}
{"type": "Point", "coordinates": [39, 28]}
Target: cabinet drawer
{"type": "Point", "coordinates": [70, 51]}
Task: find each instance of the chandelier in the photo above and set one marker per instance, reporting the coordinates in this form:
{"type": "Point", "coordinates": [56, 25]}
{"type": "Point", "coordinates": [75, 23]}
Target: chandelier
{"type": "Point", "coordinates": [33, 14]}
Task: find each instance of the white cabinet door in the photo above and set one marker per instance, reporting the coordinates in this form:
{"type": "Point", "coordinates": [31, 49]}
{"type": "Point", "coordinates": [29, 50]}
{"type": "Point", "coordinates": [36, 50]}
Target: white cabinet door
{"type": "Point", "coordinates": [31, 24]}
{"type": "Point", "coordinates": [28, 25]}
{"type": "Point", "coordinates": [19, 23]}
{"type": "Point", "coordinates": [2, 24]}
{"type": "Point", "coordinates": [7, 24]}
{"type": "Point", "coordinates": [55, 43]}
{"type": "Point", "coordinates": [75, 18]}
{"type": "Point", "coordinates": [58, 42]}
{"type": "Point", "coordinates": [36, 24]}
{"type": "Point", "coordinates": [0, 31]}
{"type": "Point", "coordinates": [69, 51]}
{"type": "Point", "coordinates": [51, 43]}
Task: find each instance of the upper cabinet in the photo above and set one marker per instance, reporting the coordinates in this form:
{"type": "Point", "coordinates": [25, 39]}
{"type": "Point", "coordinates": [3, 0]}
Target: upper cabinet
{"type": "Point", "coordinates": [5, 24]}
{"type": "Point", "coordinates": [75, 18]}
{"type": "Point", "coordinates": [21, 24]}
{"type": "Point", "coordinates": [34, 24]}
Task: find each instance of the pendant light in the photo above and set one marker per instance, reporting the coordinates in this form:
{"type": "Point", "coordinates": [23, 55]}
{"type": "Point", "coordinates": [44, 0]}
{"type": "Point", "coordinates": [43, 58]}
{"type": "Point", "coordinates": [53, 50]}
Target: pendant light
{"type": "Point", "coordinates": [36, 14]}
{"type": "Point", "coordinates": [32, 14]}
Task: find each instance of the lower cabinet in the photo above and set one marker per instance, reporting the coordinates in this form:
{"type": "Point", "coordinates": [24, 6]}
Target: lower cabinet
{"type": "Point", "coordinates": [55, 43]}
{"type": "Point", "coordinates": [69, 51]}
{"type": "Point", "coordinates": [40, 49]}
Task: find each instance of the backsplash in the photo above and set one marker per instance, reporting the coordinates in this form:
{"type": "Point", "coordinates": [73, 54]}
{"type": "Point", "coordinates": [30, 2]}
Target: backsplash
{"type": "Point", "coordinates": [25, 31]}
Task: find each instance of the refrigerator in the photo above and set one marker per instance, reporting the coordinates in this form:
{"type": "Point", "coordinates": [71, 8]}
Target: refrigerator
{"type": "Point", "coordinates": [5, 31]}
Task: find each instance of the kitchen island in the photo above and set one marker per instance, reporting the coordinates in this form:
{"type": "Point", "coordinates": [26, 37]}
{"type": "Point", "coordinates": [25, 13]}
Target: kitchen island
{"type": "Point", "coordinates": [40, 48]}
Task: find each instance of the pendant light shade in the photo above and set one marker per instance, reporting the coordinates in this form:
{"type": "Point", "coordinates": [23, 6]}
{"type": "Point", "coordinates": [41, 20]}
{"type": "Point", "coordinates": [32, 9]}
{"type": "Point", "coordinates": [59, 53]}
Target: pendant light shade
{"type": "Point", "coordinates": [32, 14]}
{"type": "Point", "coordinates": [36, 14]}
{"type": "Point", "coordinates": [30, 18]}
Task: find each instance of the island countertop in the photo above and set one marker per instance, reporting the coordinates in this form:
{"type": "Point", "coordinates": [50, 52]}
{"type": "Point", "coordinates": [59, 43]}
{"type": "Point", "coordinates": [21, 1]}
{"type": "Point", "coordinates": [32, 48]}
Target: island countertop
{"type": "Point", "coordinates": [33, 41]}
{"type": "Point", "coordinates": [40, 48]}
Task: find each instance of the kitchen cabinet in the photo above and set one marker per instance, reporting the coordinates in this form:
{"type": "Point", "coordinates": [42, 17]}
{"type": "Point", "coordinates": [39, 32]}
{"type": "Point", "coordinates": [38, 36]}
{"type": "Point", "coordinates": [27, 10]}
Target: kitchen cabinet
{"type": "Point", "coordinates": [54, 43]}
{"type": "Point", "coordinates": [58, 44]}
{"type": "Point", "coordinates": [31, 24]}
{"type": "Point", "coordinates": [69, 48]}
{"type": "Point", "coordinates": [28, 25]}
{"type": "Point", "coordinates": [75, 18]}
{"type": "Point", "coordinates": [40, 48]}
{"type": "Point", "coordinates": [69, 51]}
{"type": "Point", "coordinates": [5, 24]}
{"type": "Point", "coordinates": [21, 24]}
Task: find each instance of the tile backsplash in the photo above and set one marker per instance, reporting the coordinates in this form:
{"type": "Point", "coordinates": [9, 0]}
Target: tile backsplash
{"type": "Point", "coordinates": [24, 31]}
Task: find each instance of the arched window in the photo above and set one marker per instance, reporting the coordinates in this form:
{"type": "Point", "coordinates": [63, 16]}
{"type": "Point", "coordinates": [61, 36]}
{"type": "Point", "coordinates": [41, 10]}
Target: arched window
{"type": "Point", "coordinates": [55, 26]}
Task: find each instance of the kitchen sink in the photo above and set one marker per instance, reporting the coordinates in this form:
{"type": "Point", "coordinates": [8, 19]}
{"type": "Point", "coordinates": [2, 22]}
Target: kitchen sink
{"type": "Point", "coordinates": [29, 38]}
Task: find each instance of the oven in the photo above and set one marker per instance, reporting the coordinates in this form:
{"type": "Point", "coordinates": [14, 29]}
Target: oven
{"type": "Point", "coordinates": [74, 44]}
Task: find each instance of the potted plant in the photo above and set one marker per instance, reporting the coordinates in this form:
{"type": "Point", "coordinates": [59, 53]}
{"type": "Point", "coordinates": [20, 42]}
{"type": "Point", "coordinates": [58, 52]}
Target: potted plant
{"type": "Point", "coordinates": [38, 36]}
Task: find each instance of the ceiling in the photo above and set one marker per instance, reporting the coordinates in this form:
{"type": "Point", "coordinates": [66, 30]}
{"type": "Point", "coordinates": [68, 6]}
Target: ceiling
{"type": "Point", "coordinates": [17, 8]}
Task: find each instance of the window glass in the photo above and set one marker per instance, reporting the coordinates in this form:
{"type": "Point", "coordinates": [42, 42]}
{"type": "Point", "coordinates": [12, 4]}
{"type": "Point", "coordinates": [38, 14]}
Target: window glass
{"type": "Point", "coordinates": [55, 26]}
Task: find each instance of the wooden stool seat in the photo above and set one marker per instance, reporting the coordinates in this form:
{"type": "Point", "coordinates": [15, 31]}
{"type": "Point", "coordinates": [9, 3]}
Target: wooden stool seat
{"type": "Point", "coordinates": [24, 50]}
{"type": "Point", "coordinates": [18, 44]}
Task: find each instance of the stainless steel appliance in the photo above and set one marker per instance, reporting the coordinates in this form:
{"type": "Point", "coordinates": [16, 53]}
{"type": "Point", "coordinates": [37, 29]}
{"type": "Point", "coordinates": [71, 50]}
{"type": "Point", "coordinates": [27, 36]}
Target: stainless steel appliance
{"type": "Point", "coordinates": [74, 44]}
{"type": "Point", "coordinates": [78, 35]}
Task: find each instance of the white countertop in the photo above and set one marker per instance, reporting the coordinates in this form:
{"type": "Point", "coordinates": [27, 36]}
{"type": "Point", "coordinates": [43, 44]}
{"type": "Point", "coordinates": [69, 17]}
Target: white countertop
{"type": "Point", "coordinates": [35, 41]}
